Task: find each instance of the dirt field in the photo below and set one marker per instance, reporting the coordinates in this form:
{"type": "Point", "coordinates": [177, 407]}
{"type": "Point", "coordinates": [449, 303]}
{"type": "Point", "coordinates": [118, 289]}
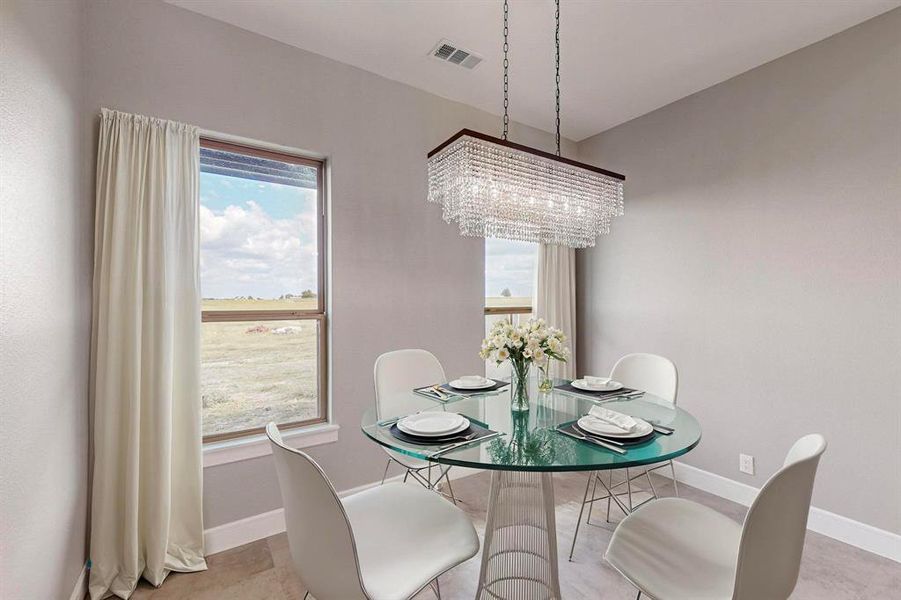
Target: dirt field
{"type": "Point", "coordinates": [253, 372]}
{"type": "Point", "coordinates": [257, 371]}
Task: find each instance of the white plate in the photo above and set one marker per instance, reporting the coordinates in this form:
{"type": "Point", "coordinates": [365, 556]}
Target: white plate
{"type": "Point", "coordinates": [433, 424]}
{"type": "Point", "coordinates": [463, 385]}
{"type": "Point", "coordinates": [610, 386]}
{"type": "Point", "coordinates": [598, 427]}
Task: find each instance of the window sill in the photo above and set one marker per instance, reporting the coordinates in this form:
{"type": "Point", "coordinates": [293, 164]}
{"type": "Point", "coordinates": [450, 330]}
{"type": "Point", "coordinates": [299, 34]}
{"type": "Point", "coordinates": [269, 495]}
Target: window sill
{"type": "Point", "coordinates": [254, 446]}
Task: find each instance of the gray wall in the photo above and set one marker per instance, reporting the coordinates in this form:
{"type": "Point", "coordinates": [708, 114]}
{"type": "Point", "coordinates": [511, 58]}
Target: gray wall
{"type": "Point", "coordinates": [45, 300]}
{"type": "Point", "coordinates": [400, 278]}
{"type": "Point", "coordinates": [761, 251]}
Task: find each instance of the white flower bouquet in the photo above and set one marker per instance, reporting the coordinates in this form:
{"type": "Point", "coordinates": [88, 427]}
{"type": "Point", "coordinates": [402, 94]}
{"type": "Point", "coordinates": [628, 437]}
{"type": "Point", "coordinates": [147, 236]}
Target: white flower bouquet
{"type": "Point", "coordinates": [532, 342]}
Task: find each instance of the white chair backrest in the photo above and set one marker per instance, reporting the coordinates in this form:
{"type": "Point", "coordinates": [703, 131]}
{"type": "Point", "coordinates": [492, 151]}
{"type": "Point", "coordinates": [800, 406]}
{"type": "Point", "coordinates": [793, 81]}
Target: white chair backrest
{"type": "Point", "coordinates": [772, 538]}
{"type": "Point", "coordinates": [649, 372]}
{"type": "Point", "coordinates": [319, 534]}
{"type": "Point", "coordinates": [397, 373]}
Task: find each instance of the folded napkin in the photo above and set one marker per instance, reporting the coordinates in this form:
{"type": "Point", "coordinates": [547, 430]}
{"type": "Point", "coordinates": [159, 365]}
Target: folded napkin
{"type": "Point", "coordinates": [596, 381]}
{"type": "Point", "coordinates": [617, 419]}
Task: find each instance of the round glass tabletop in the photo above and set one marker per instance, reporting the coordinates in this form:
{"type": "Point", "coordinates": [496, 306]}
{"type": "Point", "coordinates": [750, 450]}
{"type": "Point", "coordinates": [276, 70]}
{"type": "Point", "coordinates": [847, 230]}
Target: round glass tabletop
{"type": "Point", "coordinates": [530, 441]}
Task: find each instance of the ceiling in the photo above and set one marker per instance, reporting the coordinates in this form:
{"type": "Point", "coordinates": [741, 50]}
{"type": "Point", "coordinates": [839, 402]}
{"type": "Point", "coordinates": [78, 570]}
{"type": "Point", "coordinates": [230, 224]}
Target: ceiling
{"type": "Point", "coordinates": [620, 59]}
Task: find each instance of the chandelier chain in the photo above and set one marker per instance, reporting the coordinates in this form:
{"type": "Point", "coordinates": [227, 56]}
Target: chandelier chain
{"type": "Point", "coordinates": [557, 67]}
{"type": "Point", "coordinates": [506, 70]}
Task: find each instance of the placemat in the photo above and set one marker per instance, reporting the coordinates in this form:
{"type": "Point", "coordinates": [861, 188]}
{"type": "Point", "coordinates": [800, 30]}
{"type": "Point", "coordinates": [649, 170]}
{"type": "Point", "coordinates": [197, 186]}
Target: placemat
{"type": "Point", "coordinates": [446, 387]}
{"type": "Point", "coordinates": [572, 427]}
{"type": "Point", "coordinates": [474, 427]}
{"type": "Point", "coordinates": [568, 387]}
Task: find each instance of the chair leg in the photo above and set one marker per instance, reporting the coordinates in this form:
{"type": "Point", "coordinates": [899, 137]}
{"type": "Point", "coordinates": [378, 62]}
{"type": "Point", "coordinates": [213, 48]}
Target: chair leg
{"type": "Point", "coordinates": [610, 486]}
{"type": "Point", "coordinates": [436, 587]}
{"type": "Point", "coordinates": [450, 488]}
{"type": "Point", "coordinates": [579, 520]}
{"type": "Point", "coordinates": [407, 474]}
{"type": "Point", "coordinates": [306, 595]}
{"type": "Point", "coordinates": [593, 496]}
{"type": "Point", "coordinates": [629, 487]}
{"type": "Point", "coordinates": [672, 469]}
{"type": "Point", "coordinates": [638, 597]}
{"type": "Point", "coordinates": [647, 474]}
{"type": "Point", "coordinates": [385, 474]}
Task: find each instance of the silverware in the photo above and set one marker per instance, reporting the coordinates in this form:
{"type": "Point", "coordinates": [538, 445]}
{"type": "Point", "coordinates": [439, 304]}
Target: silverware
{"type": "Point", "coordinates": [604, 445]}
{"type": "Point", "coordinates": [394, 420]}
{"type": "Point", "coordinates": [438, 392]}
{"type": "Point", "coordinates": [661, 428]}
{"type": "Point", "coordinates": [459, 438]}
{"type": "Point", "coordinates": [465, 443]}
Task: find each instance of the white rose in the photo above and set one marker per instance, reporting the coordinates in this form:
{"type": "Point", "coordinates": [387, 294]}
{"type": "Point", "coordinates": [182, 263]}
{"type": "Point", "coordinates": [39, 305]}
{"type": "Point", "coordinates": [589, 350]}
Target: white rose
{"type": "Point", "coordinates": [503, 354]}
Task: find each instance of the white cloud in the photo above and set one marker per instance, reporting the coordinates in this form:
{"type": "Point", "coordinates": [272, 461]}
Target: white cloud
{"type": "Point", "coordinates": [247, 252]}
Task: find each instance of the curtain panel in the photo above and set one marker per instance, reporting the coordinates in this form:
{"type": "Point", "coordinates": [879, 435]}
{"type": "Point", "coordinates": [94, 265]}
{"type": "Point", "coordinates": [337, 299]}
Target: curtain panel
{"type": "Point", "coordinates": [555, 299]}
{"type": "Point", "coordinates": [146, 505]}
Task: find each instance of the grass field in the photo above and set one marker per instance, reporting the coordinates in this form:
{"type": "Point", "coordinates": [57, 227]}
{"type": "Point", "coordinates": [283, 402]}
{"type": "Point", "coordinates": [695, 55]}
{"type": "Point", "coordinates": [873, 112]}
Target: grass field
{"type": "Point", "coordinates": [253, 372]}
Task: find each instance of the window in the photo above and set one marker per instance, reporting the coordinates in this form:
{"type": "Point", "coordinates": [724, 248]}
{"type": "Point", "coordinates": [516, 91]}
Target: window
{"type": "Point", "coordinates": [509, 283]}
{"type": "Point", "coordinates": [262, 278]}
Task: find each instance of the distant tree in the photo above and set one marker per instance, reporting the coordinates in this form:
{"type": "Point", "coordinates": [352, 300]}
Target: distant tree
{"type": "Point", "coordinates": [506, 293]}
{"type": "Point", "coordinates": [307, 294]}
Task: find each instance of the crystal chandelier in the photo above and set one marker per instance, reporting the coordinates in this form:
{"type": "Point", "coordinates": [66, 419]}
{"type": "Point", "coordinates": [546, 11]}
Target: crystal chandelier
{"type": "Point", "coordinates": [496, 188]}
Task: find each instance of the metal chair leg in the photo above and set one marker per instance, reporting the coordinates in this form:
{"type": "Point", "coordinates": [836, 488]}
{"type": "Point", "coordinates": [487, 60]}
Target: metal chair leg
{"type": "Point", "coordinates": [407, 474]}
{"type": "Point", "coordinates": [638, 597]}
{"type": "Point", "coordinates": [450, 488]}
{"type": "Point", "coordinates": [385, 474]}
{"type": "Point", "coordinates": [436, 587]}
{"type": "Point", "coordinates": [579, 520]}
{"type": "Point", "coordinates": [629, 487]}
{"type": "Point", "coordinates": [672, 469]}
{"type": "Point", "coordinates": [594, 491]}
{"type": "Point", "coordinates": [647, 474]}
{"type": "Point", "coordinates": [609, 485]}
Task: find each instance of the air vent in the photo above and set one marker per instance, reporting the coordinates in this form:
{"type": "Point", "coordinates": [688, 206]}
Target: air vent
{"type": "Point", "coordinates": [446, 51]}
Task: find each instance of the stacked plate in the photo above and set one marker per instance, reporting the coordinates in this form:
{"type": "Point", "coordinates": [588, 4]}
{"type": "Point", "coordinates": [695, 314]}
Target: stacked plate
{"type": "Point", "coordinates": [597, 384]}
{"type": "Point", "coordinates": [641, 432]}
{"type": "Point", "coordinates": [471, 382]}
{"type": "Point", "coordinates": [433, 426]}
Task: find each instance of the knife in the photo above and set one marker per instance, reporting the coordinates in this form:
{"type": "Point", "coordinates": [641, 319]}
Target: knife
{"type": "Point", "coordinates": [604, 445]}
{"type": "Point", "coordinates": [465, 443]}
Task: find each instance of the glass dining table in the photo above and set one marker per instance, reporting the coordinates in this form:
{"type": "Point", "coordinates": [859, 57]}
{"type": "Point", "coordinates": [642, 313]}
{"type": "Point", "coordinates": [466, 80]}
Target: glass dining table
{"type": "Point", "coordinates": [519, 551]}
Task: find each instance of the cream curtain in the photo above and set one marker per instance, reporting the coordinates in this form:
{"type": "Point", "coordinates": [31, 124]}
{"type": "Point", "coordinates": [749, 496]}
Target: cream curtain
{"type": "Point", "coordinates": [146, 517]}
{"type": "Point", "coordinates": [555, 298]}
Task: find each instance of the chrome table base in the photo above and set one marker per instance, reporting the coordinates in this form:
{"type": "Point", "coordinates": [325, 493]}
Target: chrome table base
{"type": "Point", "coordinates": [519, 553]}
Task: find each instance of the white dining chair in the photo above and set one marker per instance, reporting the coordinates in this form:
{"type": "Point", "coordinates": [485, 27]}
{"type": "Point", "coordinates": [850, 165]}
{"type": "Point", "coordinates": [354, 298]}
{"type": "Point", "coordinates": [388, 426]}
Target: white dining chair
{"type": "Point", "coordinates": [397, 374]}
{"type": "Point", "coordinates": [385, 543]}
{"type": "Point", "coordinates": [675, 549]}
{"type": "Point", "coordinates": [656, 375]}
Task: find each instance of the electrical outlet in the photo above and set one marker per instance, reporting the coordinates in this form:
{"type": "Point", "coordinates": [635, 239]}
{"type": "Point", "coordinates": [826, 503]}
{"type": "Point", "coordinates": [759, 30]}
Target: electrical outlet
{"type": "Point", "coordinates": [746, 463]}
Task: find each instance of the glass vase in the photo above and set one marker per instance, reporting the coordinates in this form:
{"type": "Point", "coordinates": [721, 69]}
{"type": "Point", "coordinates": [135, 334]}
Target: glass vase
{"type": "Point", "coordinates": [545, 383]}
{"type": "Point", "coordinates": [519, 386]}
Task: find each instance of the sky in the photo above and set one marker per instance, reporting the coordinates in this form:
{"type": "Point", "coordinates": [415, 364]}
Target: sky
{"type": "Point", "coordinates": [259, 239]}
{"type": "Point", "coordinates": [510, 265]}
{"type": "Point", "coordinates": [256, 238]}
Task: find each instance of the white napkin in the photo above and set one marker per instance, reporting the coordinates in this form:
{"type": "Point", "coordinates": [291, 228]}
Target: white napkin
{"type": "Point", "coordinates": [617, 419]}
{"type": "Point", "coordinates": [596, 381]}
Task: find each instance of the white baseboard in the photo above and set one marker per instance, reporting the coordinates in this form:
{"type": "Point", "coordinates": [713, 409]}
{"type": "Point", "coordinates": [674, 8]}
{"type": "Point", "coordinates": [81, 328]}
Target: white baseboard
{"type": "Point", "coordinates": [256, 527]}
{"type": "Point", "coordinates": [81, 585]}
{"type": "Point", "coordinates": [863, 536]}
